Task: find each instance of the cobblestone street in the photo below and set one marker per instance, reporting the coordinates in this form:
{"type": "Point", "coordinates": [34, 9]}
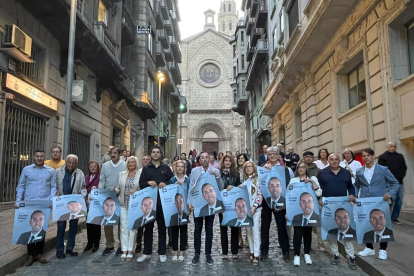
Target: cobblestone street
{"type": "Point", "coordinates": [95, 264]}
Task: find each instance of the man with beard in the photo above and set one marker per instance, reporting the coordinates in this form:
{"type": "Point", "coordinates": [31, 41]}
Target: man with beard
{"type": "Point", "coordinates": [213, 205]}
{"type": "Point", "coordinates": [380, 233]}
{"type": "Point", "coordinates": [37, 182]}
{"type": "Point", "coordinates": [275, 200]}
{"type": "Point", "coordinates": [149, 214]}
{"type": "Point", "coordinates": [195, 175]}
{"type": "Point", "coordinates": [241, 211]}
{"type": "Point", "coordinates": [180, 218]}
{"type": "Point", "coordinates": [109, 218]}
{"type": "Point", "coordinates": [344, 232]}
{"type": "Point", "coordinates": [308, 217]}
{"type": "Point", "coordinates": [109, 178]}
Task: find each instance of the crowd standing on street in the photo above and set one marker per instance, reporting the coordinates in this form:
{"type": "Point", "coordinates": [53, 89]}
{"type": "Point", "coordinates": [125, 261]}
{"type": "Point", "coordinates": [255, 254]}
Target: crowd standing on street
{"type": "Point", "coordinates": [122, 172]}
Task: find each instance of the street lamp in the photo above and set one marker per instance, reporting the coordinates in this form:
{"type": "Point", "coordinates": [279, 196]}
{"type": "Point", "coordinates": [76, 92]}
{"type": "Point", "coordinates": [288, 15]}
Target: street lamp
{"type": "Point", "coordinates": [161, 78]}
{"type": "Point", "coordinates": [181, 121]}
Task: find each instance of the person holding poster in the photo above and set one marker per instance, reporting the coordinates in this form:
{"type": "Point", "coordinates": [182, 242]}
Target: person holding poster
{"type": "Point", "coordinates": [153, 175]}
{"type": "Point", "coordinates": [69, 180]}
{"type": "Point", "coordinates": [93, 231]}
{"type": "Point", "coordinates": [128, 185]}
{"type": "Point", "coordinates": [373, 180]}
{"type": "Point", "coordinates": [279, 214]}
{"type": "Point", "coordinates": [109, 178]}
{"type": "Point", "coordinates": [180, 217]}
{"type": "Point", "coordinates": [196, 173]}
{"type": "Point", "coordinates": [37, 182]}
{"type": "Point", "coordinates": [231, 178]}
{"type": "Point", "coordinates": [304, 231]}
{"type": "Point", "coordinates": [336, 181]}
{"type": "Point", "coordinates": [251, 182]}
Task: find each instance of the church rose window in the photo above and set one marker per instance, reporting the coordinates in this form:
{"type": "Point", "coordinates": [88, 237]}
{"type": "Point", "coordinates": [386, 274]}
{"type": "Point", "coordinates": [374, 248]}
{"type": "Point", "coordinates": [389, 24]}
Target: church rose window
{"type": "Point", "coordinates": [209, 73]}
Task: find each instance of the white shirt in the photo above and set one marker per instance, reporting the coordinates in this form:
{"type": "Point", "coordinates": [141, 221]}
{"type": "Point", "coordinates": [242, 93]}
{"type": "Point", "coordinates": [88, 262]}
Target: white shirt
{"type": "Point", "coordinates": [214, 208]}
{"type": "Point", "coordinates": [380, 234]}
{"type": "Point", "coordinates": [275, 201]}
{"type": "Point", "coordinates": [35, 237]}
{"type": "Point", "coordinates": [321, 165]}
{"type": "Point", "coordinates": [343, 233]}
{"type": "Point", "coordinates": [240, 221]}
{"type": "Point", "coordinates": [368, 173]}
{"type": "Point", "coordinates": [307, 218]}
{"type": "Point", "coordinates": [354, 166]}
{"type": "Point", "coordinates": [147, 218]}
{"type": "Point", "coordinates": [107, 219]}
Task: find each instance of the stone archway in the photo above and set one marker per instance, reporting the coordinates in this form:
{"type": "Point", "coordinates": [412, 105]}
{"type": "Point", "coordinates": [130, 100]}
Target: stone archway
{"type": "Point", "coordinates": [210, 131]}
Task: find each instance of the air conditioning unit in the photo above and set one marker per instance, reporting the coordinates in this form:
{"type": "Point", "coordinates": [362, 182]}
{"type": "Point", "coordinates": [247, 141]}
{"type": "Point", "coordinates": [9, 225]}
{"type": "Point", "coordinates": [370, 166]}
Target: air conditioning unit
{"type": "Point", "coordinates": [17, 38]}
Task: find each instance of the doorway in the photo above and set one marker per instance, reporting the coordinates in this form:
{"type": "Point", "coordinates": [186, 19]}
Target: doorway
{"type": "Point", "coordinates": [209, 147]}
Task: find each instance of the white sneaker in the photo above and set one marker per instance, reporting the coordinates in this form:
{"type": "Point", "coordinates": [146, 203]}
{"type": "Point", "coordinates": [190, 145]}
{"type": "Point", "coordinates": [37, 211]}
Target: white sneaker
{"type": "Point", "coordinates": [367, 252]}
{"type": "Point", "coordinates": [308, 259]}
{"type": "Point", "coordinates": [296, 261]}
{"type": "Point", "coordinates": [174, 258]}
{"type": "Point", "coordinates": [143, 257]}
{"type": "Point", "coordinates": [163, 258]}
{"type": "Point", "coordinates": [382, 254]}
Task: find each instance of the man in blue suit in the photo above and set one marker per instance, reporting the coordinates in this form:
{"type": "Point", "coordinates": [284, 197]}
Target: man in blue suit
{"type": "Point", "coordinates": [263, 156]}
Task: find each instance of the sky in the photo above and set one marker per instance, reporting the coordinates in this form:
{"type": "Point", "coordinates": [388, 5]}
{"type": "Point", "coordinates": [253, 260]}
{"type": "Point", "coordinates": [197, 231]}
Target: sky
{"type": "Point", "coordinates": [192, 14]}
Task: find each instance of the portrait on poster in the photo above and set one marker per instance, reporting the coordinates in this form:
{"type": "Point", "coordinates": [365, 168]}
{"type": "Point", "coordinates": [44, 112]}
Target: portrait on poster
{"type": "Point", "coordinates": [68, 207]}
{"type": "Point", "coordinates": [174, 204]}
{"type": "Point", "coordinates": [237, 208]}
{"type": "Point", "coordinates": [373, 223]}
{"type": "Point", "coordinates": [337, 219]}
{"type": "Point", "coordinates": [302, 207]}
{"type": "Point", "coordinates": [104, 208]}
{"type": "Point", "coordinates": [31, 221]}
{"type": "Point", "coordinates": [273, 187]}
{"type": "Point", "coordinates": [142, 208]}
{"type": "Point", "coordinates": [206, 197]}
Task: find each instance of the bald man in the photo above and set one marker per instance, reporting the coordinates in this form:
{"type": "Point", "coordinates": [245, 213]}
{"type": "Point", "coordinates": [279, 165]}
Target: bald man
{"type": "Point", "coordinates": [396, 164]}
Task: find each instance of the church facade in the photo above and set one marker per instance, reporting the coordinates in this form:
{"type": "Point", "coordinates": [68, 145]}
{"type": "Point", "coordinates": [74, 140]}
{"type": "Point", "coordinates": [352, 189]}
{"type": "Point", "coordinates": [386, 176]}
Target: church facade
{"type": "Point", "coordinates": [206, 71]}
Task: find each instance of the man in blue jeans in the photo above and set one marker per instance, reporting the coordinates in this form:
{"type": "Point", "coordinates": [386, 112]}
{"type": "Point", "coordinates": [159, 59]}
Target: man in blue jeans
{"type": "Point", "coordinates": [69, 180]}
{"type": "Point", "coordinates": [396, 164]}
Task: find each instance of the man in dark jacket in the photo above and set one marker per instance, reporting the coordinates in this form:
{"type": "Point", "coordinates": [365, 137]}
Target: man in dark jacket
{"type": "Point", "coordinates": [396, 164]}
{"type": "Point", "coordinates": [292, 159]}
{"type": "Point", "coordinates": [263, 157]}
{"type": "Point", "coordinates": [153, 175]}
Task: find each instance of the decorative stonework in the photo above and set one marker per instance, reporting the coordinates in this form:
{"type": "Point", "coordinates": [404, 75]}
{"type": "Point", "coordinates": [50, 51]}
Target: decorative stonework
{"type": "Point", "coordinates": [209, 73]}
{"type": "Point", "coordinates": [210, 124]}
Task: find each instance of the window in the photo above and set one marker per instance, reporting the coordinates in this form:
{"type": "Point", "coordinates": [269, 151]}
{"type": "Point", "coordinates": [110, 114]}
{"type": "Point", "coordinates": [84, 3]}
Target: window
{"type": "Point", "coordinates": [234, 51]}
{"type": "Point", "coordinates": [230, 26]}
{"type": "Point", "coordinates": [229, 7]}
{"type": "Point", "coordinates": [282, 22]}
{"type": "Point", "coordinates": [224, 7]}
{"type": "Point", "coordinates": [275, 38]}
{"type": "Point", "coordinates": [242, 61]}
{"type": "Point", "coordinates": [410, 39]}
{"type": "Point", "coordinates": [209, 19]}
{"type": "Point", "coordinates": [35, 71]}
{"type": "Point", "coordinates": [298, 123]}
{"type": "Point", "coordinates": [356, 86]}
{"type": "Point", "coordinates": [242, 38]}
{"type": "Point", "coordinates": [150, 87]}
{"type": "Point", "coordinates": [151, 43]}
{"type": "Point", "coordinates": [243, 87]}
{"type": "Point", "coordinates": [234, 72]}
{"type": "Point", "coordinates": [235, 96]}
{"type": "Point", "coordinates": [293, 17]}
{"type": "Point", "coordinates": [224, 26]}
{"type": "Point", "coordinates": [102, 13]}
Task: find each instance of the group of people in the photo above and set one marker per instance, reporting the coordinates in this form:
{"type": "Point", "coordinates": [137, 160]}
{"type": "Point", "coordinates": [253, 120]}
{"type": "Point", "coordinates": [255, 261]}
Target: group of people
{"type": "Point", "coordinates": [328, 177]}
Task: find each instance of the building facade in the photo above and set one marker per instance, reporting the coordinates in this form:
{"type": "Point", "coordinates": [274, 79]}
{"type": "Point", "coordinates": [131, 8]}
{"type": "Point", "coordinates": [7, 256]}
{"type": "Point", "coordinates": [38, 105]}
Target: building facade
{"type": "Point", "coordinates": [210, 124]}
{"type": "Point", "coordinates": [111, 68]}
{"type": "Point", "coordinates": [345, 81]}
{"type": "Point", "coordinates": [228, 17]}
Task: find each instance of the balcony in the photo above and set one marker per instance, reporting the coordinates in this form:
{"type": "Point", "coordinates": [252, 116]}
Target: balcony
{"type": "Point", "coordinates": [260, 54]}
{"type": "Point", "coordinates": [103, 35]}
{"type": "Point", "coordinates": [261, 15]}
{"type": "Point", "coordinates": [169, 83]}
{"type": "Point", "coordinates": [254, 36]}
{"type": "Point", "coordinates": [159, 17]}
{"type": "Point", "coordinates": [248, 3]}
{"type": "Point", "coordinates": [250, 52]}
{"type": "Point", "coordinates": [175, 20]}
{"type": "Point", "coordinates": [250, 24]}
{"type": "Point", "coordinates": [168, 52]}
{"type": "Point", "coordinates": [241, 102]}
{"type": "Point", "coordinates": [253, 7]}
{"type": "Point", "coordinates": [163, 37]}
{"type": "Point", "coordinates": [168, 27]}
{"type": "Point", "coordinates": [164, 9]}
{"type": "Point", "coordinates": [170, 4]}
{"type": "Point", "coordinates": [175, 46]}
{"type": "Point", "coordinates": [175, 71]}
{"type": "Point", "coordinates": [160, 55]}
{"type": "Point", "coordinates": [128, 28]}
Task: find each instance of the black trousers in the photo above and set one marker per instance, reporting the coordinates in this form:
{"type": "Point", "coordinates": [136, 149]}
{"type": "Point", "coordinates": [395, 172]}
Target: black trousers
{"type": "Point", "coordinates": [140, 234]}
{"type": "Point", "coordinates": [209, 234]}
{"type": "Point", "coordinates": [383, 245]}
{"type": "Point", "coordinates": [182, 230]}
{"type": "Point", "coordinates": [300, 232]}
{"type": "Point", "coordinates": [93, 232]}
{"type": "Point", "coordinates": [36, 248]}
{"type": "Point", "coordinates": [281, 229]}
{"type": "Point", "coordinates": [234, 241]}
{"type": "Point", "coordinates": [162, 234]}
